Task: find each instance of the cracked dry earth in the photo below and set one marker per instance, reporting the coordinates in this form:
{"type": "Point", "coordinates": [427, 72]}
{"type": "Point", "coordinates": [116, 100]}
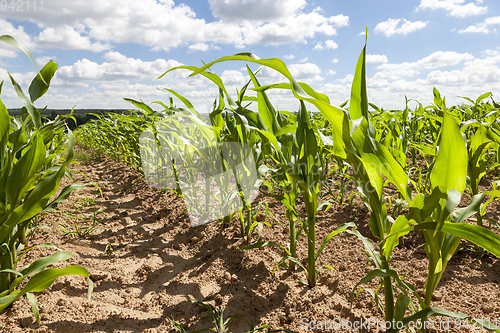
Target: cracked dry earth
{"type": "Point", "coordinates": [159, 263]}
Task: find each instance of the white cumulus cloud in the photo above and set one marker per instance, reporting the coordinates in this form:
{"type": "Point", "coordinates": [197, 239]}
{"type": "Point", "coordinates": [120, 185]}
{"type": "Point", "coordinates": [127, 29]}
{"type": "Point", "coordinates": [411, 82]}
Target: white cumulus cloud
{"type": "Point", "coordinates": [435, 60]}
{"type": "Point", "coordinates": [318, 46]}
{"type": "Point", "coordinates": [163, 24]}
{"type": "Point", "coordinates": [198, 47]}
{"type": "Point", "coordinates": [18, 33]}
{"type": "Point", "coordinates": [255, 10]}
{"type": "Point", "coordinates": [66, 37]}
{"type": "Point", "coordinates": [116, 67]}
{"type": "Point", "coordinates": [455, 8]}
{"type": "Point", "coordinates": [483, 27]}
{"type": "Point", "coordinates": [329, 44]}
{"type": "Point", "coordinates": [376, 58]}
{"type": "Point", "coordinates": [392, 27]}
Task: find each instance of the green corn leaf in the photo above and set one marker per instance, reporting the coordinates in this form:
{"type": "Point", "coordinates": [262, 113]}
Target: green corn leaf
{"type": "Point", "coordinates": [4, 127]}
{"type": "Point", "coordinates": [452, 201]}
{"type": "Point", "coordinates": [480, 236]}
{"type": "Point", "coordinates": [430, 312]}
{"type": "Point", "coordinates": [451, 148]}
{"type": "Point", "coordinates": [400, 224]}
{"type": "Point", "coordinates": [462, 214]}
{"type": "Point", "coordinates": [265, 108]}
{"type": "Point", "coordinates": [342, 228]}
{"type": "Point", "coordinates": [40, 83]}
{"type": "Point", "coordinates": [378, 160]}
{"type": "Point", "coordinates": [358, 106]}
{"type": "Point", "coordinates": [483, 96]}
{"type": "Point", "coordinates": [44, 279]}
{"type": "Point", "coordinates": [39, 196]}
{"type": "Point", "coordinates": [423, 206]}
{"type": "Point", "coordinates": [177, 327]}
{"type": "Point", "coordinates": [335, 115]}
{"type": "Point", "coordinates": [33, 112]}
{"type": "Point", "coordinates": [211, 76]}
{"type": "Point", "coordinates": [185, 101]}
{"type": "Point", "coordinates": [437, 98]}
{"type": "Point", "coordinates": [12, 41]}
{"type": "Point", "coordinates": [381, 273]}
{"type": "Point", "coordinates": [141, 105]}
{"type": "Point", "coordinates": [252, 117]}
{"type": "Point", "coordinates": [24, 172]}
{"type": "Point", "coordinates": [402, 303]}
{"type": "Point", "coordinates": [370, 249]}
{"type": "Point", "coordinates": [41, 264]}
{"type": "Point", "coordinates": [478, 142]}
{"type": "Point", "coordinates": [65, 194]}
{"type": "Point", "coordinates": [310, 91]}
{"type": "Point", "coordinates": [34, 307]}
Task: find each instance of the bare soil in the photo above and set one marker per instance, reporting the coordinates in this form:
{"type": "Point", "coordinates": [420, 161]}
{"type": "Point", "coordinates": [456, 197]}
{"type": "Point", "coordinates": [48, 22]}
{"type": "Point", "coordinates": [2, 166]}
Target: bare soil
{"type": "Point", "coordinates": [147, 264]}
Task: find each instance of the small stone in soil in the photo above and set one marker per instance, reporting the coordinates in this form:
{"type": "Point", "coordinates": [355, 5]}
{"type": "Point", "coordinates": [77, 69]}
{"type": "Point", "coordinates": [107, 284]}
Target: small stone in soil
{"type": "Point", "coordinates": [227, 275]}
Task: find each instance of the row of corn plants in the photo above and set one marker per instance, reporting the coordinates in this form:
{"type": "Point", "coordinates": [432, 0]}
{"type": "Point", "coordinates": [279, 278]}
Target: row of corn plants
{"type": "Point", "coordinates": [407, 152]}
{"type": "Point", "coordinates": [31, 167]}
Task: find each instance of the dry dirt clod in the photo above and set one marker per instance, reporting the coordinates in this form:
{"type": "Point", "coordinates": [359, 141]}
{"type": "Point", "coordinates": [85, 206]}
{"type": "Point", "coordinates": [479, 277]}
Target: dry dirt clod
{"type": "Point", "coordinates": [488, 308]}
{"type": "Point", "coordinates": [234, 278]}
{"type": "Point", "coordinates": [62, 301]}
{"type": "Point", "coordinates": [26, 321]}
{"type": "Point", "coordinates": [96, 276]}
{"type": "Point", "coordinates": [57, 286]}
{"type": "Point", "coordinates": [437, 296]}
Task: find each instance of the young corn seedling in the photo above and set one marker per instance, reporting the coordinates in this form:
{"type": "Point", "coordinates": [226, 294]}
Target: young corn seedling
{"type": "Point", "coordinates": [220, 325]}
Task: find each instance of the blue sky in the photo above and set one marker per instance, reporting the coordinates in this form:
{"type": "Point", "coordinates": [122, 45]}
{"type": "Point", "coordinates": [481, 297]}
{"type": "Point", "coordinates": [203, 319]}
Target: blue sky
{"type": "Point", "coordinates": [114, 49]}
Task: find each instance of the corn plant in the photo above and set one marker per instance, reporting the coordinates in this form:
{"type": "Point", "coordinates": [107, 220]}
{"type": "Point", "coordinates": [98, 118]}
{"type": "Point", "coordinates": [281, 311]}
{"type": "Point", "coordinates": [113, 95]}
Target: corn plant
{"type": "Point", "coordinates": [221, 324]}
{"type": "Point", "coordinates": [443, 229]}
{"type": "Point", "coordinates": [29, 176]}
{"type": "Point", "coordinates": [306, 169]}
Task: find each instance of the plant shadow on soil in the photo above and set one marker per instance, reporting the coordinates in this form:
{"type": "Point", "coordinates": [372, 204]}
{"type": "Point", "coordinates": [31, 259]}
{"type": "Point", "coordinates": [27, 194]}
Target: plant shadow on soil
{"type": "Point", "coordinates": [159, 263]}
